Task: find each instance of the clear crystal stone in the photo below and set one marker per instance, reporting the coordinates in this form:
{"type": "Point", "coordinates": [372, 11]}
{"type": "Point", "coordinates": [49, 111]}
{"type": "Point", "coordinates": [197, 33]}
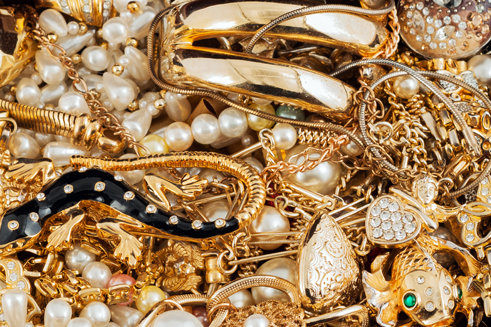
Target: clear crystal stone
{"type": "Point", "coordinates": [419, 5]}
{"type": "Point", "coordinates": [485, 191]}
{"type": "Point", "coordinates": [219, 222]}
{"type": "Point", "coordinates": [430, 30]}
{"type": "Point", "coordinates": [375, 222]}
{"type": "Point", "coordinates": [409, 228]}
{"type": "Point", "coordinates": [409, 14]}
{"type": "Point", "coordinates": [377, 232]}
{"type": "Point", "coordinates": [462, 25]}
{"type": "Point", "coordinates": [11, 265]}
{"type": "Point", "coordinates": [433, 45]}
{"type": "Point", "coordinates": [412, 31]}
{"type": "Point", "coordinates": [388, 235]}
{"type": "Point", "coordinates": [21, 285]}
{"type": "Point", "coordinates": [13, 224]}
{"type": "Point", "coordinates": [197, 224]}
{"type": "Point", "coordinates": [68, 188]}
{"type": "Point", "coordinates": [393, 206]}
{"type": "Point", "coordinates": [456, 18]}
{"type": "Point", "coordinates": [13, 277]}
{"type": "Point", "coordinates": [419, 38]}
{"type": "Point", "coordinates": [446, 290]}
{"type": "Point", "coordinates": [427, 38]}
{"type": "Point", "coordinates": [40, 196]}
{"type": "Point", "coordinates": [459, 34]}
{"type": "Point", "coordinates": [407, 218]}
{"type": "Point", "coordinates": [173, 219]}
{"type": "Point", "coordinates": [480, 8]}
{"type": "Point", "coordinates": [488, 199]}
{"type": "Point", "coordinates": [2, 317]}
{"type": "Point", "coordinates": [429, 291]}
{"type": "Point", "coordinates": [99, 186]}
{"type": "Point", "coordinates": [469, 237]}
{"type": "Point", "coordinates": [429, 20]}
{"type": "Point", "coordinates": [386, 225]}
{"type": "Point", "coordinates": [452, 42]}
{"type": "Point", "coordinates": [464, 218]}
{"type": "Point", "coordinates": [86, 9]}
{"type": "Point", "coordinates": [385, 215]}
{"type": "Point", "coordinates": [447, 20]}
{"type": "Point", "coordinates": [411, 7]}
{"type": "Point", "coordinates": [397, 226]}
{"type": "Point", "coordinates": [429, 306]}
{"type": "Point", "coordinates": [438, 23]}
{"type": "Point", "coordinates": [151, 208]}
{"type": "Point", "coordinates": [384, 203]}
{"type": "Point", "coordinates": [444, 33]}
{"type": "Point", "coordinates": [418, 22]}
{"type": "Point", "coordinates": [420, 279]}
{"type": "Point", "coordinates": [485, 181]}
{"type": "Point", "coordinates": [396, 216]}
{"type": "Point", "coordinates": [107, 5]}
{"type": "Point", "coordinates": [129, 195]}
{"type": "Point", "coordinates": [400, 235]}
{"type": "Point", "coordinates": [119, 178]}
{"type": "Point", "coordinates": [442, 45]}
{"type": "Point", "coordinates": [448, 278]}
{"type": "Point", "coordinates": [34, 216]}
{"type": "Point", "coordinates": [82, 169]}
{"type": "Point", "coordinates": [376, 211]}
{"type": "Point", "coordinates": [469, 226]}
{"type": "Point", "coordinates": [451, 304]}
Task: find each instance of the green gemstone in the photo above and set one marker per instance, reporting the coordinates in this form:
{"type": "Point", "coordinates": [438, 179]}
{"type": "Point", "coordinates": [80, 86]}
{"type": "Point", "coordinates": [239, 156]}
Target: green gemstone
{"type": "Point", "coordinates": [459, 292]}
{"type": "Point", "coordinates": [409, 300]}
{"type": "Point", "coordinates": [290, 113]}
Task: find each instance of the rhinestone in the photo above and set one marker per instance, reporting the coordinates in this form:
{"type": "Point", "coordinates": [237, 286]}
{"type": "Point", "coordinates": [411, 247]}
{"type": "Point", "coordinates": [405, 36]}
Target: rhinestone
{"type": "Point", "coordinates": [412, 31]}
{"type": "Point", "coordinates": [448, 278]}
{"type": "Point", "coordinates": [427, 38]}
{"type": "Point", "coordinates": [459, 34]}
{"type": "Point", "coordinates": [197, 224]}
{"type": "Point", "coordinates": [13, 277]}
{"type": "Point", "coordinates": [2, 317]}
{"type": "Point", "coordinates": [447, 20]}
{"type": "Point", "coordinates": [219, 223]}
{"type": "Point", "coordinates": [444, 33]}
{"type": "Point", "coordinates": [393, 206]}
{"type": "Point", "coordinates": [34, 216]}
{"type": "Point", "coordinates": [388, 235]}
{"type": "Point", "coordinates": [469, 237]}
{"type": "Point", "coordinates": [11, 265]}
{"type": "Point", "coordinates": [385, 215]}
{"type": "Point", "coordinates": [430, 30]}
{"type": "Point", "coordinates": [67, 11]}
{"type": "Point", "coordinates": [462, 25]}
{"type": "Point", "coordinates": [397, 226]}
{"type": "Point", "coordinates": [396, 216]}
{"type": "Point", "coordinates": [464, 218]}
{"type": "Point", "coordinates": [377, 232]}
{"type": "Point", "coordinates": [21, 285]}
{"type": "Point", "coordinates": [400, 235]}
{"type": "Point", "coordinates": [173, 220]}
{"type": "Point", "coordinates": [419, 38]}
{"type": "Point", "coordinates": [442, 45]}
{"type": "Point", "coordinates": [13, 225]}
{"type": "Point", "coordinates": [409, 14]}
{"type": "Point", "coordinates": [375, 222]}
{"type": "Point", "coordinates": [433, 45]}
{"type": "Point", "coordinates": [86, 9]}
{"type": "Point", "coordinates": [384, 203]}
{"type": "Point", "coordinates": [429, 291]}
{"type": "Point", "coordinates": [376, 211]}
{"type": "Point", "coordinates": [68, 189]}
{"type": "Point", "coordinates": [451, 304]}
{"type": "Point", "coordinates": [107, 5]}
{"type": "Point", "coordinates": [418, 22]}
{"type": "Point", "coordinates": [63, 3]}
{"type": "Point", "coordinates": [484, 181]}
{"type": "Point", "coordinates": [485, 191]}
{"type": "Point", "coordinates": [488, 199]}
{"type": "Point", "coordinates": [82, 169]}
{"type": "Point", "coordinates": [411, 7]}
{"type": "Point", "coordinates": [446, 290]}
{"type": "Point", "coordinates": [409, 228]}
{"type": "Point", "coordinates": [407, 218]}
{"type": "Point", "coordinates": [419, 5]}
{"type": "Point", "coordinates": [426, 11]}
{"type": "Point", "coordinates": [151, 208]}
{"type": "Point", "coordinates": [40, 197]}
{"type": "Point", "coordinates": [420, 279]}
{"type": "Point", "coordinates": [99, 186]}
{"type": "Point", "coordinates": [119, 178]}
{"type": "Point", "coordinates": [480, 8]}
{"type": "Point", "coordinates": [129, 195]}
{"type": "Point", "coordinates": [438, 23]}
{"type": "Point", "coordinates": [429, 20]}
{"type": "Point", "coordinates": [429, 306]}
{"type": "Point", "coordinates": [456, 18]}
{"type": "Point", "coordinates": [469, 226]}
{"type": "Point", "coordinates": [386, 225]}
{"type": "Point", "coordinates": [105, 12]}
{"type": "Point", "coordinates": [452, 42]}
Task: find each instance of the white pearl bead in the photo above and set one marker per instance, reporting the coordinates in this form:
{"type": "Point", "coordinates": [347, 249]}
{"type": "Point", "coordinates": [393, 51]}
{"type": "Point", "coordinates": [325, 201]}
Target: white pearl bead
{"type": "Point", "coordinates": [135, 87]}
{"type": "Point", "coordinates": [14, 305]}
{"type": "Point", "coordinates": [24, 146]}
{"type": "Point", "coordinates": [95, 58]}
{"type": "Point", "coordinates": [138, 123]}
{"type": "Point", "coordinates": [177, 318]}
{"type": "Point", "coordinates": [124, 61]}
{"type": "Point", "coordinates": [178, 136]}
{"type": "Point", "coordinates": [285, 136]}
{"type": "Point", "coordinates": [205, 129]}
{"type": "Point", "coordinates": [210, 174]}
{"type": "Point", "coordinates": [119, 91]}
{"type": "Point", "coordinates": [60, 152]}
{"type": "Point", "coordinates": [139, 24]}
{"type": "Point", "coordinates": [131, 177]}
{"type": "Point", "coordinates": [216, 209]}
{"type": "Point", "coordinates": [78, 258]}
{"type": "Point", "coordinates": [28, 92]}
{"type": "Point", "coordinates": [269, 220]}
{"type": "Point", "coordinates": [52, 21]}
{"type": "Point", "coordinates": [177, 106]}
{"type": "Point", "coordinates": [256, 320]}
{"type": "Point", "coordinates": [115, 30]}
{"type": "Point", "coordinates": [280, 267]}
{"type": "Point", "coordinates": [73, 103]}
{"type": "Point", "coordinates": [79, 322]}
{"type": "Point", "coordinates": [74, 43]}
{"type": "Point", "coordinates": [112, 324]}
{"type": "Point", "coordinates": [36, 78]}
{"type": "Point", "coordinates": [50, 69]}
{"type": "Point", "coordinates": [480, 65]}
{"type": "Point", "coordinates": [322, 179]}
{"type": "Point", "coordinates": [51, 94]}
{"type": "Point", "coordinates": [233, 122]}
{"type": "Point", "coordinates": [122, 5]}
{"type": "Point", "coordinates": [73, 28]}
{"type": "Point", "coordinates": [97, 274]}
{"type": "Point", "coordinates": [138, 66]}
{"type": "Point", "coordinates": [97, 313]}
{"type": "Point", "coordinates": [405, 86]}
{"type": "Point", "coordinates": [351, 148]}
{"type": "Point", "coordinates": [247, 140]}
{"type": "Point", "coordinates": [242, 299]}
{"type": "Point", "coordinates": [125, 316]}
{"type": "Point", "coordinates": [28, 324]}
{"type": "Point", "coordinates": [57, 314]}
{"type": "Point", "coordinates": [256, 164]}
{"type": "Point", "coordinates": [44, 138]}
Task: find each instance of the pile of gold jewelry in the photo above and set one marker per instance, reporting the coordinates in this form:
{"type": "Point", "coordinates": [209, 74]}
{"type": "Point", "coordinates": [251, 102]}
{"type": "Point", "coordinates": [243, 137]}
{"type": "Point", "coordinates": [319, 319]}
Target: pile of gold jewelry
{"type": "Point", "coordinates": [245, 163]}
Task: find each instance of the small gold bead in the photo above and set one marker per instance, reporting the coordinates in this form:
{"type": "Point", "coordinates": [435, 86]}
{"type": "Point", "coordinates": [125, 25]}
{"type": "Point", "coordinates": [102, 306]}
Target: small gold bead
{"type": "Point", "coordinates": [96, 94]}
{"type": "Point", "coordinates": [133, 105]}
{"type": "Point", "coordinates": [162, 93]}
{"type": "Point", "coordinates": [104, 45]}
{"type": "Point", "coordinates": [13, 89]}
{"type": "Point", "coordinates": [132, 42]}
{"type": "Point", "coordinates": [83, 28]}
{"type": "Point", "coordinates": [159, 104]}
{"type": "Point", "coordinates": [77, 58]}
{"type": "Point", "coordinates": [49, 106]}
{"type": "Point", "coordinates": [133, 7]}
{"type": "Point", "coordinates": [99, 33]}
{"type": "Point", "coordinates": [117, 69]}
{"type": "Point", "coordinates": [52, 37]}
